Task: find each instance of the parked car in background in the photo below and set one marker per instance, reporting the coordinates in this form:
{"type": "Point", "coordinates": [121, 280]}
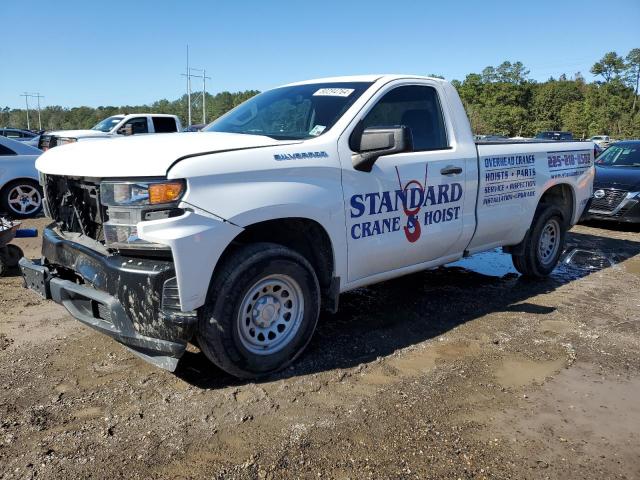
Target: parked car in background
{"type": "Point", "coordinates": [490, 138]}
{"type": "Point", "coordinates": [133, 124]}
{"type": "Point", "coordinates": [554, 135]}
{"type": "Point", "coordinates": [616, 188]}
{"type": "Point", "coordinates": [33, 142]}
{"type": "Point", "coordinates": [20, 192]}
{"type": "Point", "coordinates": [597, 149]}
{"type": "Point", "coordinates": [17, 134]}
{"type": "Point", "coordinates": [602, 141]}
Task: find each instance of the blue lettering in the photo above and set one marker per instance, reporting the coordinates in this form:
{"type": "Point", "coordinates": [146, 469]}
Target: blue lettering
{"type": "Point", "coordinates": [357, 207]}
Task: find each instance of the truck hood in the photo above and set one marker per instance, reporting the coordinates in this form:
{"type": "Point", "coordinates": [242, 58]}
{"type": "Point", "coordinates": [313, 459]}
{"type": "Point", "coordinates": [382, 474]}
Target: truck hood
{"type": "Point", "coordinates": [143, 155]}
{"type": "Point", "coordinates": [78, 133]}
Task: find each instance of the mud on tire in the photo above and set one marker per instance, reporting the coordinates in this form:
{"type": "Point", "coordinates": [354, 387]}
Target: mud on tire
{"type": "Point", "coordinates": [261, 310]}
{"type": "Point", "coordinates": [543, 244]}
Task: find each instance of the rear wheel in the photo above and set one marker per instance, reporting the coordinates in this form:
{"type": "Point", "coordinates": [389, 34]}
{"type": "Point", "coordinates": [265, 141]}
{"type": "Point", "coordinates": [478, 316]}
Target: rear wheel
{"type": "Point", "coordinates": [21, 199]}
{"type": "Point", "coordinates": [261, 310]}
{"type": "Point", "coordinates": [544, 243]}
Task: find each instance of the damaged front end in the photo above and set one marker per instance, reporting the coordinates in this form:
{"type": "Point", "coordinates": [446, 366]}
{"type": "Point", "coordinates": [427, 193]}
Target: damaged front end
{"type": "Point", "coordinates": [128, 294]}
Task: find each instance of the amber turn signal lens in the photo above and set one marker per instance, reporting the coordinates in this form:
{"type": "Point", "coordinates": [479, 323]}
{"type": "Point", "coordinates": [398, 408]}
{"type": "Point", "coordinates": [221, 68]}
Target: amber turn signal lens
{"type": "Point", "coordinates": [165, 192]}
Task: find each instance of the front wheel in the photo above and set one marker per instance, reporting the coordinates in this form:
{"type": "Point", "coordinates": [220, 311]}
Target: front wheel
{"type": "Point", "coordinates": [261, 310]}
{"type": "Point", "coordinates": [543, 245]}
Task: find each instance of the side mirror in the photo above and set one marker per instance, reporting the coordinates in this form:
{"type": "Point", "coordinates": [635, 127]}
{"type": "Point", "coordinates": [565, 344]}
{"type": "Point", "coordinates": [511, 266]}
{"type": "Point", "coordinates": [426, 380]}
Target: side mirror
{"type": "Point", "coordinates": [374, 142]}
{"type": "Point", "coordinates": [126, 130]}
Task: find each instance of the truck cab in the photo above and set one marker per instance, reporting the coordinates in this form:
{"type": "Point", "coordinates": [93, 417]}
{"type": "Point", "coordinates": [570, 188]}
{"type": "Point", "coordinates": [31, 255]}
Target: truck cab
{"type": "Point", "coordinates": [131, 124]}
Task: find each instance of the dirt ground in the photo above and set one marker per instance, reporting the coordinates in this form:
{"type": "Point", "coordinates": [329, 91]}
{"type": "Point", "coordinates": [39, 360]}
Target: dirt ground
{"type": "Point", "coordinates": [466, 371]}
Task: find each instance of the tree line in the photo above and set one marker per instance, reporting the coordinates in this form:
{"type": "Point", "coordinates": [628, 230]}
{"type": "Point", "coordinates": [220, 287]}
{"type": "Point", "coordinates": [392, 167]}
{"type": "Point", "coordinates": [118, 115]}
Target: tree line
{"type": "Point", "coordinates": [499, 100]}
{"type": "Point", "coordinates": [60, 118]}
{"type": "Point", "coordinates": [504, 100]}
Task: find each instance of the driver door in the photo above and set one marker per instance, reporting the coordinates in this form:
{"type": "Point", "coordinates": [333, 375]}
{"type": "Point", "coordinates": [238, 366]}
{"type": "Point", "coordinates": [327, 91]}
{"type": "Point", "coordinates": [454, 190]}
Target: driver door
{"type": "Point", "coordinates": [409, 208]}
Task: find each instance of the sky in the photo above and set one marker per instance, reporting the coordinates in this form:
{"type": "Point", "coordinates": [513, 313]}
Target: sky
{"type": "Point", "coordinates": [133, 52]}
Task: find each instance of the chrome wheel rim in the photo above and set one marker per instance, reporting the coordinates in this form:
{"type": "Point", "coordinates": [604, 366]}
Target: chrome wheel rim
{"type": "Point", "coordinates": [24, 199]}
{"type": "Point", "coordinates": [270, 314]}
{"type": "Point", "coordinates": [549, 242]}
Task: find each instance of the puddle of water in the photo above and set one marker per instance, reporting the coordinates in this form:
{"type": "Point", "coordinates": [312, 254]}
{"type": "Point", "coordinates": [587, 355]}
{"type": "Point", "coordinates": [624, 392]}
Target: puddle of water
{"type": "Point", "coordinates": [518, 373]}
{"type": "Point", "coordinates": [574, 263]}
{"type": "Point", "coordinates": [89, 412]}
{"type": "Point", "coordinates": [588, 260]}
{"type": "Point", "coordinates": [414, 363]}
{"type": "Point", "coordinates": [417, 362]}
{"type": "Point", "coordinates": [554, 326]}
{"type": "Point", "coordinates": [493, 263]}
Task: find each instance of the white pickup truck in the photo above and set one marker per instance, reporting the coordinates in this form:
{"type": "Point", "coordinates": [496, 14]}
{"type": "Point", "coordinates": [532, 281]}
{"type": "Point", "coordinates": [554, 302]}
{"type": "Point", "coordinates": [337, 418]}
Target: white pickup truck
{"type": "Point", "coordinates": [237, 236]}
{"type": "Point", "coordinates": [131, 124]}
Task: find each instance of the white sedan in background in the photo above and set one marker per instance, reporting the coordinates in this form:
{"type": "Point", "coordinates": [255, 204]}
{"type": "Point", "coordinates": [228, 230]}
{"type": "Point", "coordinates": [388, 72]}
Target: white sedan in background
{"type": "Point", "coordinates": [20, 192]}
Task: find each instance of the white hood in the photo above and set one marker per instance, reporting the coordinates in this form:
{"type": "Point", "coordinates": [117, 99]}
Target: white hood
{"type": "Point", "coordinates": [78, 133]}
{"type": "Point", "coordinates": [140, 156]}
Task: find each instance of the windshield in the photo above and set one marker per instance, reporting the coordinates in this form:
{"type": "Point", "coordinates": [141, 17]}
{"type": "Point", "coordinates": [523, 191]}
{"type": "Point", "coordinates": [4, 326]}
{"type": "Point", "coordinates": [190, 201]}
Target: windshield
{"type": "Point", "coordinates": [291, 113]}
{"type": "Point", "coordinates": [107, 124]}
{"type": "Point", "coordinates": [621, 156]}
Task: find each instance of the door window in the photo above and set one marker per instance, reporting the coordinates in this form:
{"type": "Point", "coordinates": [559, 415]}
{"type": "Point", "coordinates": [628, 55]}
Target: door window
{"type": "Point", "coordinates": [6, 151]}
{"type": "Point", "coordinates": [416, 107]}
{"type": "Point", "coordinates": [12, 134]}
{"type": "Point", "coordinates": [138, 124]}
{"type": "Point", "coordinates": [164, 124]}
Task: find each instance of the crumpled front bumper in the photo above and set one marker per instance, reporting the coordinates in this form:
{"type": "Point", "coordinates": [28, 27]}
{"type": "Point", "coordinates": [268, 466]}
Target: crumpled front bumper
{"type": "Point", "coordinates": [116, 295]}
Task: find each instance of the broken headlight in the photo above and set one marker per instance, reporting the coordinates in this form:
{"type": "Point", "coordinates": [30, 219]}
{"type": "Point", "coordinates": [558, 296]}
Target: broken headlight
{"type": "Point", "coordinates": [65, 140]}
{"type": "Point", "coordinates": [129, 203]}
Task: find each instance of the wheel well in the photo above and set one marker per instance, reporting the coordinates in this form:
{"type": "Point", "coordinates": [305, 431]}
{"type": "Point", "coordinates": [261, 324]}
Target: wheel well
{"type": "Point", "coordinates": [306, 237]}
{"type": "Point", "coordinates": [562, 197]}
{"type": "Point", "coordinates": [19, 179]}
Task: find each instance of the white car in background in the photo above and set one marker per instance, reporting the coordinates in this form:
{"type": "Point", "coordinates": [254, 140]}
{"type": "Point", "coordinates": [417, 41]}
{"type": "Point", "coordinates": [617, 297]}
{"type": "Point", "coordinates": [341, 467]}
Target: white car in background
{"type": "Point", "coordinates": [603, 141]}
{"type": "Point", "coordinates": [112, 127]}
{"type": "Point", "coordinates": [20, 192]}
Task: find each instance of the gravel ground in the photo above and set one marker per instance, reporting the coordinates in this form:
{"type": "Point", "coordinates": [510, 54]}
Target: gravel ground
{"type": "Point", "coordinates": [466, 371]}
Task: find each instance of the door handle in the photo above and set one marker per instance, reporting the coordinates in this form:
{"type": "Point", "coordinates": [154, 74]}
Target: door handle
{"type": "Point", "coordinates": [451, 170]}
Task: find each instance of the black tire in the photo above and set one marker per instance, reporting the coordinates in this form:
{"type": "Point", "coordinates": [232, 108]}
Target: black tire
{"type": "Point", "coordinates": [8, 194]}
{"type": "Point", "coordinates": [532, 262]}
{"type": "Point", "coordinates": [222, 331]}
{"type": "Point", "coordinates": [13, 254]}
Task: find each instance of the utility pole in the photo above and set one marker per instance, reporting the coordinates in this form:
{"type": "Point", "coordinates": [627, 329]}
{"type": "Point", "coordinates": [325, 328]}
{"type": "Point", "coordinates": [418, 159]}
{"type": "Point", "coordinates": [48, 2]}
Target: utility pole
{"type": "Point", "coordinates": [26, 100]}
{"type": "Point", "coordinates": [204, 90]}
{"type": "Point", "coordinates": [38, 96]}
{"type": "Point", "coordinates": [204, 96]}
{"type": "Point", "coordinates": [188, 88]}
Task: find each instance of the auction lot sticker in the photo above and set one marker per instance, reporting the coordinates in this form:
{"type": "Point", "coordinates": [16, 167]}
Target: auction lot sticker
{"type": "Point", "coordinates": [333, 92]}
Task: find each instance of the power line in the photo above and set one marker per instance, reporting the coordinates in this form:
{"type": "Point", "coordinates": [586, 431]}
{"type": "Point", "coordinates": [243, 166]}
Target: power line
{"type": "Point", "coordinates": [27, 96]}
{"type": "Point", "coordinates": [204, 77]}
{"type": "Point", "coordinates": [204, 90]}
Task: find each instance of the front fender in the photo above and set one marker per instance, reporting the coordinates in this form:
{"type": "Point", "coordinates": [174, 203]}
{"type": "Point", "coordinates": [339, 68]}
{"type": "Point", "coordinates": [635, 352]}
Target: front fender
{"type": "Point", "coordinates": [197, 242]}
